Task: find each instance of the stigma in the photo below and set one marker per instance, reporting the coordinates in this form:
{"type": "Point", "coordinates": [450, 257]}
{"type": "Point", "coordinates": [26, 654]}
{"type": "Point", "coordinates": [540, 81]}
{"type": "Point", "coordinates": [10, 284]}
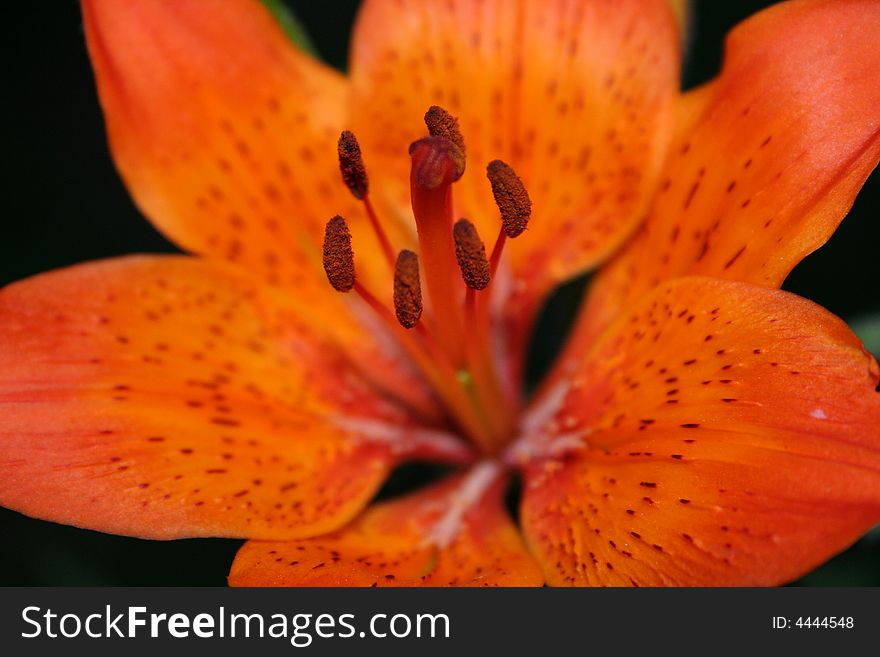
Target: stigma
{"type": "Point", "coordinates": [447, 331]}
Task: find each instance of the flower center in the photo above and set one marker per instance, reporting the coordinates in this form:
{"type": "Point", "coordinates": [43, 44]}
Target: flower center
{"type": "Point", "coordinates": [449, 337]}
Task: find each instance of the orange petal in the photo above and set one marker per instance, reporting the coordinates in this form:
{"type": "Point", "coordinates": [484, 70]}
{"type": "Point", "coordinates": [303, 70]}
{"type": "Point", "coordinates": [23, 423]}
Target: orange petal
{"type": "Point", "coordinates": [575, 96]}
{"type": "Point", "coordinates": [224, 133]}
{"type": "Point", "coordinates": [769, 157]}
{"type": "Point", "coordinates": [455, 533]}
{"type": "Point", "coordinates": [165, 397]}
{"type": "Point", "coordinates": [719, 433]}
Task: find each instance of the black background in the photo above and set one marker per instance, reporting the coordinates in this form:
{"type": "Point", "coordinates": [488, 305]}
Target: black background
{"type": "Point", "coordinates": [64, 203]}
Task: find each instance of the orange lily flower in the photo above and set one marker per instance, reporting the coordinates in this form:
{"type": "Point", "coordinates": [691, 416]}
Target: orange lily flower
{"type": "Point", "coordinates": [702, 428]}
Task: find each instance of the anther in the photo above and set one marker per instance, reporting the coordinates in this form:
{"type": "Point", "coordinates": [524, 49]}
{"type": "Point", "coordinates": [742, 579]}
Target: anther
{"type": "Point", "coordinates": [338, 255]}
{"type": "Point", "coordinates": [351, 165]}
{"type": "Point", "coordinates": [407, 289]}
{"type": "Point", "coordinates": [471, 255]}
{"type": "Point", "coordinates": [443, 124]}
{"type": "Point", "coordinates": [436, 161]}
{"type": "Point", "coordinates": [511, 197]}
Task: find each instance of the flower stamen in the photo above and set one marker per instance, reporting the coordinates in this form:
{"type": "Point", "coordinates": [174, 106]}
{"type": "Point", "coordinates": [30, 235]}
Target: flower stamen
{"type": "Point", "coordinates": [432, 361]}
{"type": "Point", "coordinates": [338, 255]}
{"type": "Point", "coordinates": [407, 289]}
{"type": "Point", "coordinates": [513, 203]}
{"type": "Point", "coordinates": [436, 164]}
{"type": "Point", "coordinates": [351, 165]}
{"type": "Point", "coordinates": [482, 377]}
{"type": "Point", "coordinates": [449, 335]}
{"type": "Point", "coordinates": [511, 197]}
{"type": "Point", "coordinates": [471, 255]}
{"type": "Point", "coordinates": [354, 174]}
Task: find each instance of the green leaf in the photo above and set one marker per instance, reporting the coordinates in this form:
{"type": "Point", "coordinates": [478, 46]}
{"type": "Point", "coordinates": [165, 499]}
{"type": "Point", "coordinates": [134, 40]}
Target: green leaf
{"type": "Point", "coordinates": [868, 330]}
{"type": "Point", "coordinates": [291, 26]}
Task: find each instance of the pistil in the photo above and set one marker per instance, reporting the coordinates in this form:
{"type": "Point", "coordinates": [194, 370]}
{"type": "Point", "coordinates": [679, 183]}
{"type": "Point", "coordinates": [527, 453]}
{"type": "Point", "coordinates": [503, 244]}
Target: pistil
{"type": "Point", "coordinates": [436, 164]}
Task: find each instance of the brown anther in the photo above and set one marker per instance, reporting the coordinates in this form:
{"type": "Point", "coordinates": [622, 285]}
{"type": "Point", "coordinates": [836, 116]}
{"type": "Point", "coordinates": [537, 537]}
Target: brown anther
{"type": "Point", "coordinates": [407, 289]}
{"type": "Point", "coordinates": [471, 255]}
{"type": "Point", "coordinates": [436, 161]}
{"type": "Point", "coordinates": [443, 124]}
{"type": "Point", "coordinates": [511, 197]}
{"type": "Point", "coordinates": [351, 164]}
{"type": "Point", "coordinates": [338, 255]}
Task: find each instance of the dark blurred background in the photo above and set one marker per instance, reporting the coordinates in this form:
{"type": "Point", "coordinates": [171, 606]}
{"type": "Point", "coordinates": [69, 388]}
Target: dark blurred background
{"type": "Point", "coordinates": [65, 204]}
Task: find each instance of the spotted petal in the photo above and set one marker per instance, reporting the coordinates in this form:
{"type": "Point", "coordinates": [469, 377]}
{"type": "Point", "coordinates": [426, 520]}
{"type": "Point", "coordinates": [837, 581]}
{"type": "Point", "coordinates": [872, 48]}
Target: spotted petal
{"type": "Point", "coordinates": [795, 115]}
{"type": "Point", "coordinates": [455, 533]}
{"type": "Point", "coordinates": [719, 433]}
{"type": "Point", "coordinates": [166, 397]}
{"type": "Point", "coordinates": [224, 133]}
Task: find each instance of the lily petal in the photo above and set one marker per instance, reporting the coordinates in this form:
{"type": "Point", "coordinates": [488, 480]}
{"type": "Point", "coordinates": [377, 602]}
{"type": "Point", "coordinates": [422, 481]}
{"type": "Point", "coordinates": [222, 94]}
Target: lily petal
{"type": "Point", "coordinates": [224, 133]}
{"type": "Point", "coordinates": [795, 115]}
{"type": "Point", "coordinates": [719, 433]}
{"type": "Point", "coordinates": [166, 397]}
{"type": "Point", "coordinates": [455, 533]}
{"type": "Point", "coordinates": [576, 96]}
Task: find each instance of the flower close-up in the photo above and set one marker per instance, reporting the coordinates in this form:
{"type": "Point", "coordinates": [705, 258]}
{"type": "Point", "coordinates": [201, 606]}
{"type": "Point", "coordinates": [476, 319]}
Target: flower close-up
{"type": "Point", "coordinates": [366, 255]}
